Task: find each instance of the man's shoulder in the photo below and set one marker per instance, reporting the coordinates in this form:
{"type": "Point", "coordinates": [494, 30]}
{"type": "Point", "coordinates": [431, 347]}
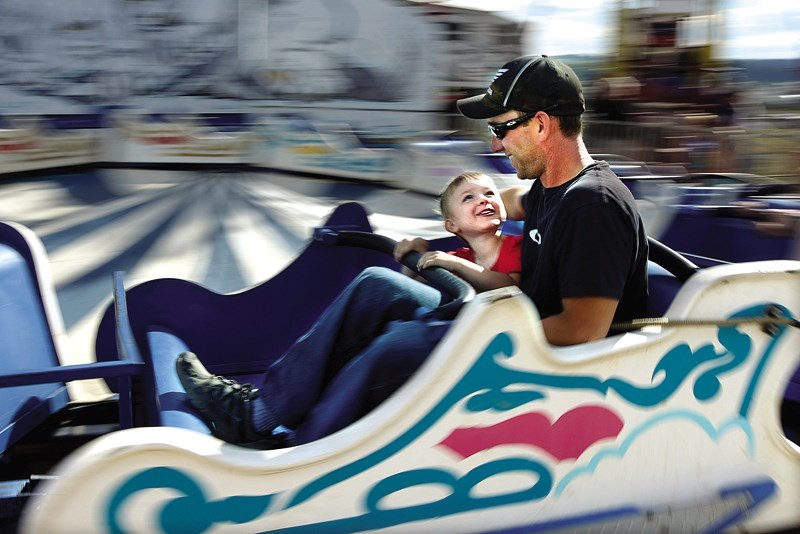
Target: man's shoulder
{"type": "Point", "coordinates": [598, 172]}
{"type": "Point", "coordinates": [597, 183]}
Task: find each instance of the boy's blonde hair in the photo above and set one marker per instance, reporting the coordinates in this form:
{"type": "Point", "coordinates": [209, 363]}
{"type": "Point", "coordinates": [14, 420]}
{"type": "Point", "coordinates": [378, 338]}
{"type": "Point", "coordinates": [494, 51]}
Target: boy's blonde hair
{"type": "Point", "coordinates": [451, 186]}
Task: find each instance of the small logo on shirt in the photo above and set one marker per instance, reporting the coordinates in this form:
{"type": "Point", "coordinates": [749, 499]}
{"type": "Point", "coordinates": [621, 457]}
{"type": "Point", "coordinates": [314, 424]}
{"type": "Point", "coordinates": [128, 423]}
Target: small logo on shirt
{"type": "Point", "coordinates": [536, 237]}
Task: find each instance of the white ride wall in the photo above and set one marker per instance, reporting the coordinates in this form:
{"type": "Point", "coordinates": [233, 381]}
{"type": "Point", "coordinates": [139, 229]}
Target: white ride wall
{"type": "Point", "coordinates": [667, 425]}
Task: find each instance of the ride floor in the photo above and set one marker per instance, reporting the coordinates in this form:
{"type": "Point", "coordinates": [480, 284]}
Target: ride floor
{"type": "Point", "coordinates": [224, 229]}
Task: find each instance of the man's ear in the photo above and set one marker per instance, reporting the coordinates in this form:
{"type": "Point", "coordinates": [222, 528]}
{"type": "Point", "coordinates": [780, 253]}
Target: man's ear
{"type": "Point", "coordinates": [450, 226]}
{"type": "Point", "coordinates": [542, 122]}
{"type": "Point", "coordinates": [547, 124]}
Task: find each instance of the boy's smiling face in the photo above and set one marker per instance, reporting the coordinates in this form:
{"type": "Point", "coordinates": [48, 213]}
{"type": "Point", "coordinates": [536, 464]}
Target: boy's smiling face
{"type": "Point", "coordinates": [475, 207]}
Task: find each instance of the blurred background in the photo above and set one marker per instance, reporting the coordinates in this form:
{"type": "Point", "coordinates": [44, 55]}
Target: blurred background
{"type": "Point", "coordinates": [203, 139]}
{"type": "Point", "coordinates": [708, 84]}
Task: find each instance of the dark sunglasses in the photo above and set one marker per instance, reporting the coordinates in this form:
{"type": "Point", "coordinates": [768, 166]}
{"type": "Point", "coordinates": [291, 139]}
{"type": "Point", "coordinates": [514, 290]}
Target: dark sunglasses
{"type": "Point", "coordinates": [500, 130]}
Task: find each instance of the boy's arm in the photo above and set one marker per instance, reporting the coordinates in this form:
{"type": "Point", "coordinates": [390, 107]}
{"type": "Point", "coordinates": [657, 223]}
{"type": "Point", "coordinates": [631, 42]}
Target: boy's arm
{"type": "Point", "coordinates": [481, 278]}
{"type": "Point", "coordinates": [512, 198]}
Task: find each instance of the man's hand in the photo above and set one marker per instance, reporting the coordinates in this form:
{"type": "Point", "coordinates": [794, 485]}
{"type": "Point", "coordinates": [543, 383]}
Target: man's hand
{"type": "Point", "coordinates": [405, 246]}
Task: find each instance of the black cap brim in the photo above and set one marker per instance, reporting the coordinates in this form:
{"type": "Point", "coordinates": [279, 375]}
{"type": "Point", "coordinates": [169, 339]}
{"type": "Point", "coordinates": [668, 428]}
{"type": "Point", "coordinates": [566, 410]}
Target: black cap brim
{"type": "Point", "coordinates": [479, 107]}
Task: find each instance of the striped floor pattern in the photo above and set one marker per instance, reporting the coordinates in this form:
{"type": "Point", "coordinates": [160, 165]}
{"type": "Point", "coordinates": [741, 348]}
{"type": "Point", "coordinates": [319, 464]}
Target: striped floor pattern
{"type": "Point", "coordinates": [226, 230]}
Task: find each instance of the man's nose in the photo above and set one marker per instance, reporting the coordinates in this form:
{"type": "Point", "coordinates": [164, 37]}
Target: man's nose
{"type": "Point", "coordinates": [497, 145]}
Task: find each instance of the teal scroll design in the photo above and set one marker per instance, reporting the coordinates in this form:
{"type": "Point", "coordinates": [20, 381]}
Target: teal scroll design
{"type": "Point", "coordinates": [460, 497]}
{"type": "Point", "coordinates": [484, 387]}
{"type": "Point", "coordinates": [191, 513]}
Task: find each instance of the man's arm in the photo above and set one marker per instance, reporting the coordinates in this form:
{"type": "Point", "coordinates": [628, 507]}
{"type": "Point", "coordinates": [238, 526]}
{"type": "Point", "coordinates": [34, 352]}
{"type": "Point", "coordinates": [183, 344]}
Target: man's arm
{"type": "Point", "coordinates": [583, 319]}
{"type": "Point", "coordinates": [512, 198]}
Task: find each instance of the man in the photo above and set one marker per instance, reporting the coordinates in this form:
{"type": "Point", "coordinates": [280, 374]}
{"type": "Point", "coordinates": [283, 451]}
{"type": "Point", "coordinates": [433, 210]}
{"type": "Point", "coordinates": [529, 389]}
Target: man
{"type": "Point", "coordinates": [584, 258]}
{"type": "Point", "coordinates": [584, 255]}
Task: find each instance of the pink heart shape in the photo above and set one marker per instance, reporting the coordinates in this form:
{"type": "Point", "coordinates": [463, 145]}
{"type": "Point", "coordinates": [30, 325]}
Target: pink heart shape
{"type": "Point", "coordinates": [571, 434]}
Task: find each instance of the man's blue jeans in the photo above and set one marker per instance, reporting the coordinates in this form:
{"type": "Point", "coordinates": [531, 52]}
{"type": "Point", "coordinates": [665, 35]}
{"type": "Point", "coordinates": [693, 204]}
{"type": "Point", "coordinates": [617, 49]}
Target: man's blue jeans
{"type": "Point", "coordinates": [369, 338]}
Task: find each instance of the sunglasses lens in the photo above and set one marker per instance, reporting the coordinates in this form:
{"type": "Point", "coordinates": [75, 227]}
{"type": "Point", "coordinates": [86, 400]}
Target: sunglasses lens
{"type": "Point", "coordinates": [500, 130]}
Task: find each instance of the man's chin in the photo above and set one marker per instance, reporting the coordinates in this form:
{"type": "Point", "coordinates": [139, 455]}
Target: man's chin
{"type": "Point", "coordinates": [521, 173]}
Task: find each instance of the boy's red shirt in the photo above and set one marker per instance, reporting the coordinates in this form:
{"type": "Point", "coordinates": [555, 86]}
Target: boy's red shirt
{"type": "Point", "coordinates": [508, 261]}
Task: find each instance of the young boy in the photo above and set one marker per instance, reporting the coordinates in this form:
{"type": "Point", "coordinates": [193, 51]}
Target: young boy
{"type": "Point", "coordinates": [472, 209]}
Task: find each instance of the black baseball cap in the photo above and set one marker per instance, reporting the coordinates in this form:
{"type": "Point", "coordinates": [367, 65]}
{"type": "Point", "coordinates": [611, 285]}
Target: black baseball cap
{"type": "Point", "coordinates": [528, 83]}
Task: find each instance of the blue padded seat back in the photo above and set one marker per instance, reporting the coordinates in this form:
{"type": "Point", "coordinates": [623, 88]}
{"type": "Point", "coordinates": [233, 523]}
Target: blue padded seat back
{"type": "Point", "coordinates": [25, 343]}
{"type": "Point", "coordinates": [174, 408]}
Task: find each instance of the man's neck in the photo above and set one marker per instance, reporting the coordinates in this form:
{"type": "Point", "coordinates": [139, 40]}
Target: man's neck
{"type": "Point", "coordinates": [566, 161]}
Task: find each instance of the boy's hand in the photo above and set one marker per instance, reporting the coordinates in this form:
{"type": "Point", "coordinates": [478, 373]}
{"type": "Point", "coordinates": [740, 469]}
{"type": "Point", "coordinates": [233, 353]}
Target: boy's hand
{"type": "Point", "coordinates": [437, 258]}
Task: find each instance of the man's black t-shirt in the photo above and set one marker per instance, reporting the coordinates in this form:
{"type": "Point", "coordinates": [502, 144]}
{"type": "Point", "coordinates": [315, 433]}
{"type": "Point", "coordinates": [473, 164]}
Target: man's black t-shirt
{"type": "Point", "coordinates": [584, 238]}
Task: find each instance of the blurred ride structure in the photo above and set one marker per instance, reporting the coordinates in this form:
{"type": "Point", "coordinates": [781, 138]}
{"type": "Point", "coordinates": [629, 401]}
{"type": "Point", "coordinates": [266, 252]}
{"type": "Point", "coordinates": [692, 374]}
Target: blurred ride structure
{"type": "Point", "coordinates": [665, 97]}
